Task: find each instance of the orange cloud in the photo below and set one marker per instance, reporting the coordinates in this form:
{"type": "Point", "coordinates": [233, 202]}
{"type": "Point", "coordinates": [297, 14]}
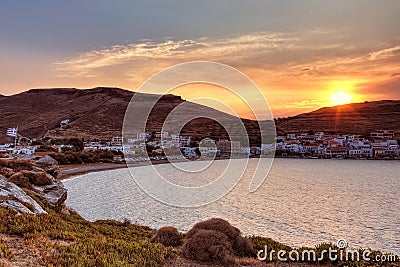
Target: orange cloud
{"type": "Point", "coordinates": [296, 71]}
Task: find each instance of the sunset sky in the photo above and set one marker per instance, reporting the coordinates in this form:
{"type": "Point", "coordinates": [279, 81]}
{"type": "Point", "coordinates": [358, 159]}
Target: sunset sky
{"type": "Point", "coordinates": [301, 54]}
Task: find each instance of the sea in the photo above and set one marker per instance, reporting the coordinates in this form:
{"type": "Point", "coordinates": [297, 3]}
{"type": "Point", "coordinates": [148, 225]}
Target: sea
{"type": "Point", "coordinates": [302, 202]}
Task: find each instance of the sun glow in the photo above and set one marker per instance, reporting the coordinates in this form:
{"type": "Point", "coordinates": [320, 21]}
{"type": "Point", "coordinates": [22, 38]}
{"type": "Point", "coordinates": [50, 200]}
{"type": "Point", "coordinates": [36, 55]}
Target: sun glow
{"type": "Point", "coordinates": [341, 98]}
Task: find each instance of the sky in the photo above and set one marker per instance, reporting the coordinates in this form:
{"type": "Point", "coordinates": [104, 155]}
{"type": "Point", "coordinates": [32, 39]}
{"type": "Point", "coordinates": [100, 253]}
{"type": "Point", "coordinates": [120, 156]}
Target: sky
{"type": "Point", "coordinates": [302, 55]}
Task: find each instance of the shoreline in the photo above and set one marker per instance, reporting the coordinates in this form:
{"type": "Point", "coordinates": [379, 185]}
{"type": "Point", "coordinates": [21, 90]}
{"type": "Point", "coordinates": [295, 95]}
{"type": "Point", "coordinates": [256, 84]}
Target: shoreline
{"type": "Point", "coordinates": [72, 171]}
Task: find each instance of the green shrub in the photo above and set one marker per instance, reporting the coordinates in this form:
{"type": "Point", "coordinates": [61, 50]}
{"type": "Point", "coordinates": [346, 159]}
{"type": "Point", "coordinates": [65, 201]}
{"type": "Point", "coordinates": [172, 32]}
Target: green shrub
{"type": "Point", "coordinates": [73, 241]}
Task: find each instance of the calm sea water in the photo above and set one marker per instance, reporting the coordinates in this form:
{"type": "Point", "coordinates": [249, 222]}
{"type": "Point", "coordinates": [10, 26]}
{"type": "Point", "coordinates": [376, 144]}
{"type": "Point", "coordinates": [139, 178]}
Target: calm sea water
{"type": "Point", "coordinates": [302, 202]}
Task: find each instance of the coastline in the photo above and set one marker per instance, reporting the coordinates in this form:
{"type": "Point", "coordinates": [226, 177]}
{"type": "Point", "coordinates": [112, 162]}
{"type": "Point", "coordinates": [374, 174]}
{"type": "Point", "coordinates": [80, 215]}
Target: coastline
{"type": "Point", "coordinates": [71, 171]}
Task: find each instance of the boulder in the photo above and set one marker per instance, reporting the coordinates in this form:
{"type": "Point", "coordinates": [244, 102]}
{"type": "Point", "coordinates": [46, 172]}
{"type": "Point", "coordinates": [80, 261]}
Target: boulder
{"type": "Point", "coordinates": [20, 179]}
{"type": "Point", "coordinates": [39, 178]}
{"type": "Point", "coordinates": [42, 185]}
{"type": "Point", "coordinates": [7, 172]}
{"type": "Point", "coordinates": [54, 195]}
{"type": "Point", "coordinates": [48, 164]}
{"type": "Point", "coordinates": [13, 197]}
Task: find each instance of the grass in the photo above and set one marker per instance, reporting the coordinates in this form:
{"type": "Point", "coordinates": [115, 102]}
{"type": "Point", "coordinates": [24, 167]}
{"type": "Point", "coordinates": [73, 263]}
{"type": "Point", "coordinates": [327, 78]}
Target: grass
{"type": "Point", "coordinates": [72, 241]}
{"type": "Point", "coordinates": [4, 252]}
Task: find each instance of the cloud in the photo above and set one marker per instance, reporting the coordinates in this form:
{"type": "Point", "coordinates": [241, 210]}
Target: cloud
{"type": "Point", "coordinates": [231, 49]}
{"type": "Point", "coordinates": [307, 55]}
{"type": "Point", "coordinates": [296, 64]}
{"type": "Point", "coordinates": [385, 53]}
{"type": "Point", "coordinates": [395, 74]}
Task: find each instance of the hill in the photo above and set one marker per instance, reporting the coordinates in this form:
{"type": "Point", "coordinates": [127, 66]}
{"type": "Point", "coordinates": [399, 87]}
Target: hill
{"type": "Point", "coordinates": [98, 113]}
{"type": "Point", "coordinates": [351, 118]}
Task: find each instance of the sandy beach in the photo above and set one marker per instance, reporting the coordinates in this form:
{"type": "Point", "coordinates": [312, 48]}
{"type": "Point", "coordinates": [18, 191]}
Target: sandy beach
{"type": "Point", "coordinates": [70, 171]}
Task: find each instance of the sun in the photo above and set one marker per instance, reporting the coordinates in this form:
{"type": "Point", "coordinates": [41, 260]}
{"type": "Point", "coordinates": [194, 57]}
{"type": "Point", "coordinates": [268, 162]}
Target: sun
{"type": "Point", "coordinates": [341, 98]}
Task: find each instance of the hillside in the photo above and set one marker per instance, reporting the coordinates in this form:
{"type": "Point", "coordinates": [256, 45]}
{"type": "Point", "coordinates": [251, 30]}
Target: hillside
{"type": "Point", "coordinates": [351, 118]}
{"type": "Point", "coordinates": [98, 113]}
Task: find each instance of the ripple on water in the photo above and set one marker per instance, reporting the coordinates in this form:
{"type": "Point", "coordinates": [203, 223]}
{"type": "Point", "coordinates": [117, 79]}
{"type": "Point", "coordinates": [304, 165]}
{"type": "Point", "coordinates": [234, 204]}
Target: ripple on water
{"type": "Point", "coordinates": [302, 202]}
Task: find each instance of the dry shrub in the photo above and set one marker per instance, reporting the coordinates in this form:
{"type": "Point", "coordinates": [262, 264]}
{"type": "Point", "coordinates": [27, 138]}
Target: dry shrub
{"type": "Point", "coordinates": [208, 246]}
{"type": "Point", "coordinates": [241, 245]}
{"type": "Point", "coordinates": [168, 236]}
{"type": "Point", "coordinates": [218, 225]}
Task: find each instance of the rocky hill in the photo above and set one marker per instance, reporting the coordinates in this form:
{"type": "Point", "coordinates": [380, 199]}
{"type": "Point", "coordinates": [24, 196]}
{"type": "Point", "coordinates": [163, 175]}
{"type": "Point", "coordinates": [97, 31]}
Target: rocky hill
{"type": "Point", "coordinates": [98, 113]}
{"type": "Point", "coordinates": [351, 118]}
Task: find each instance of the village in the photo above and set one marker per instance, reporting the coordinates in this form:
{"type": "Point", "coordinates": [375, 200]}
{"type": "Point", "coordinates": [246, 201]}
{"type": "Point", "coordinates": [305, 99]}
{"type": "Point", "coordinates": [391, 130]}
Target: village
{"type": "Point", "coordinates": [162, 145]}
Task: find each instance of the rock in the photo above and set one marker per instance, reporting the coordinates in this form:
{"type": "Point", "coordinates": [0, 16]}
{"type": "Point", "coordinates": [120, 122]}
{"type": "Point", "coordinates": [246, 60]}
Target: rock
{"type": "Point", "coordinates": [20, 179]}
{"type": "Point", "coordinates": [49, 165]}
{"type": "Point", "coordinates": [42, 185]}
{"type": "Point", "coordinates": [13, 197]}
{"type": "Point", "coordinates": [7, 172]}
{"type": "Point", "coordinates": [39, 178]}
{"type": "Point", "coordinates": [54, 195]}
{"type": "Point", "coordinates": [37, 169]}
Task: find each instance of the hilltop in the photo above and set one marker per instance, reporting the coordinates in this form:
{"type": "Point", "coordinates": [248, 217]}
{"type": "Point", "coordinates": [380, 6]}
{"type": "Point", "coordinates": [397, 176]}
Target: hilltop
{"type": "Point", "coordinates": [98, 113]}
{"type": "Point", "coordinates": [359, 118]}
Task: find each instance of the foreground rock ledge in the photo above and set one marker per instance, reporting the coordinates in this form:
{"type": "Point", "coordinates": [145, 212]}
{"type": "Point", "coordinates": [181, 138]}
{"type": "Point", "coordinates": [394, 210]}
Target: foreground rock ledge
{"type": "Point", "coordinates": [21, 178]}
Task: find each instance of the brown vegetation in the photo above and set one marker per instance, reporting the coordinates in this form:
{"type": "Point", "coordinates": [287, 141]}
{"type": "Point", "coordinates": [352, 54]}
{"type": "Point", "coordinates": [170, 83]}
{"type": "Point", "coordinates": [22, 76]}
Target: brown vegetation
{"type": "Point", "coordinates": [241, 246]}
{"type": "Point", "coordinates": [216, 240]}
{"type": "Point", "coordinates": [168, 236]}
{"type": "Point", "coordinates": [208, 246]}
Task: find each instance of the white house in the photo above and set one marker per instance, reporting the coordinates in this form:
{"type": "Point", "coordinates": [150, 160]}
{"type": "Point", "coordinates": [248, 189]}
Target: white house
{"type": "Point", "coordinates": [64, 123]}
{"type": "Point", "coordinates": [367, 151]}
{"type": "Point", "coordinates": [26, 150]}
{"type": "Point", "coordinates": [208, 151]}
{"type": "Point", "coordinates": [143, 136]}
{"type": "Point", "coordinates": [340, 139]}
{"type": "Point", "coordinates": [184, 141]}
{"type": "Point", "coordinates": [355, 153]}
{"type": "Point", "coordinates": [189, 152]}
{"type": "Point", "coordinates": [291, 136]}
{"type": "Point", "coordinates": [266, 148]}
{"type": "Point", "coordinates": [246, 151]}
{"type": "Point", "coordinates": [318, 135]}
{"type": "Point", "coordinates": [112, 148]}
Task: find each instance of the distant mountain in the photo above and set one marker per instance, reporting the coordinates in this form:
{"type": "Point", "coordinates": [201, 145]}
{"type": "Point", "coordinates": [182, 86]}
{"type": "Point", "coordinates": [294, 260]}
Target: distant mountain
{"type": "Point", "coordinates": [351, 118]}
{"type": "Point", "coordinates": [98, 113]}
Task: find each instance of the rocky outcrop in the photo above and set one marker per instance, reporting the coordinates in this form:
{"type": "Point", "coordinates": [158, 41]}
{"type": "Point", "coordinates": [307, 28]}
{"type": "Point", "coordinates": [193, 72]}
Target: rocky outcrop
{"type": "Point", "coordinates": [36, 178]}
{"type": "Point", "coordinates": [13, 197]}
{"type": "Point", "coordinates": [48, 164]}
